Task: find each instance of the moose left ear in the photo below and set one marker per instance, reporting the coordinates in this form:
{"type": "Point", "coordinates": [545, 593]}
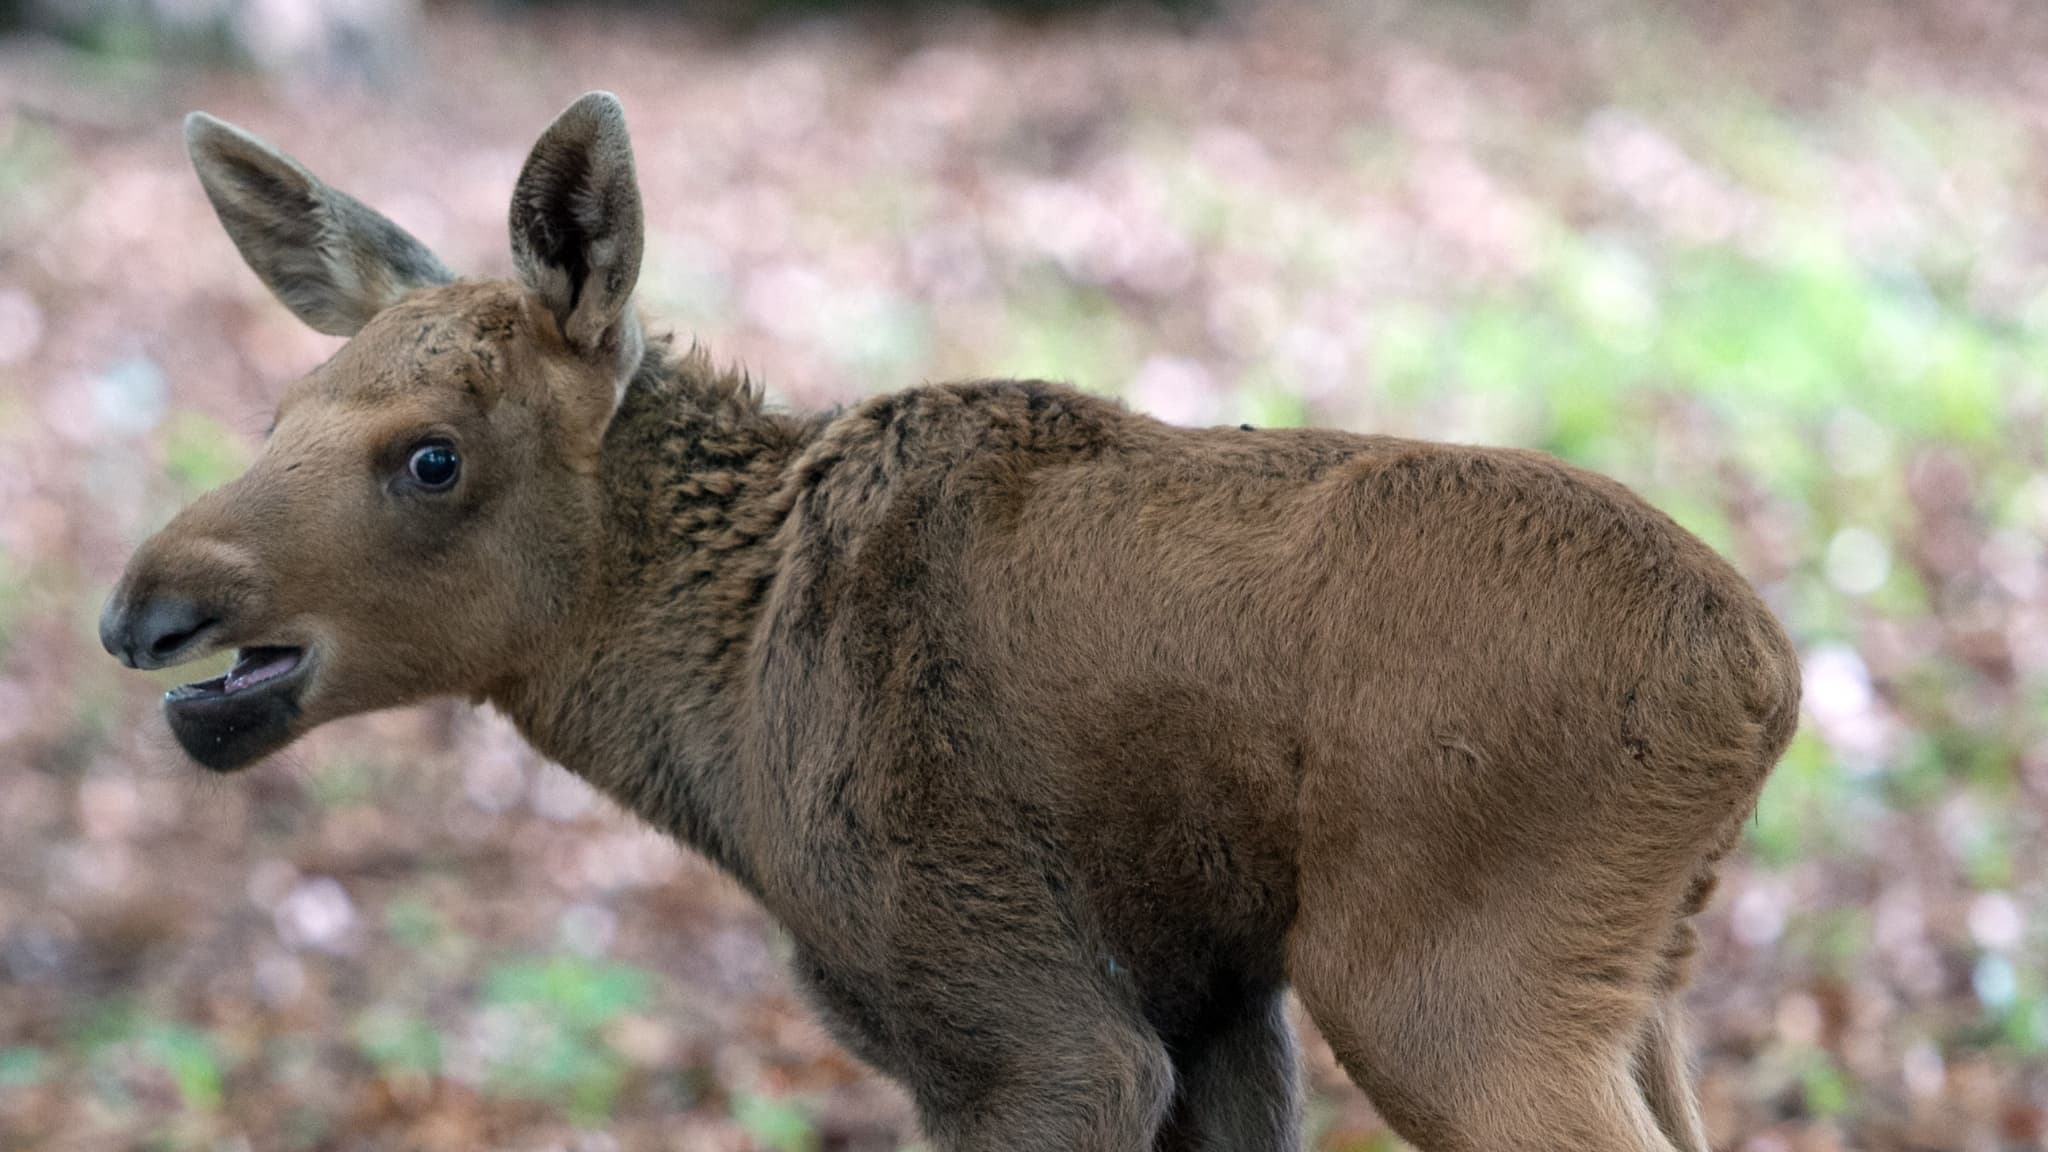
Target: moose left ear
{"type": "Point", "coordinates": [331, 260]}
{"type": "Point", "coordinates": [576, 227]}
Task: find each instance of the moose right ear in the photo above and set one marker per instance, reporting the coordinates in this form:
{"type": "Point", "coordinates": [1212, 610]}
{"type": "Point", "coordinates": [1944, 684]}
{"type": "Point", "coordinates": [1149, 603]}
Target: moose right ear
{"type": "Point", "coordinates": [333, 261]}
{"type": "Point", "coordinates": [577, 230]}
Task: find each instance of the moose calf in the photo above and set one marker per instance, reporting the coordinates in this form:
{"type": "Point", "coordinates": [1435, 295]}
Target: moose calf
{"type": "Point", "coordinates": [1061, 741]}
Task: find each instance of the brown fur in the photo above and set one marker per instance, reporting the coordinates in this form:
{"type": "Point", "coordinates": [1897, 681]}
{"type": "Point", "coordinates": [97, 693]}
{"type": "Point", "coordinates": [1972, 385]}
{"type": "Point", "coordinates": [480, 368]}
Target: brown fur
{"type": "Point", "coordinates": [1061, 741]}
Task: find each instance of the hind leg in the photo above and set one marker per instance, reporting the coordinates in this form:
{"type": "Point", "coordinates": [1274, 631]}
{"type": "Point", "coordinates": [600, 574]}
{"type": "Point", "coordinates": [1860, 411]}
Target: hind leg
{"type": "Point", "coordinates": [1660, 1068]}
{"type": "Point", "coordinates": [1239, 1088]}
{"type": "Point", "coordinates": [1488, 991]}
{"type": "Point", "coordinates": [1461, 1050]}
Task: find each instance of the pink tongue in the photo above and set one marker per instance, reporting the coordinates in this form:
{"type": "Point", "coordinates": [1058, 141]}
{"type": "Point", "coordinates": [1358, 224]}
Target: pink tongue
{"type": "Point", "coordinates": [272, 666]}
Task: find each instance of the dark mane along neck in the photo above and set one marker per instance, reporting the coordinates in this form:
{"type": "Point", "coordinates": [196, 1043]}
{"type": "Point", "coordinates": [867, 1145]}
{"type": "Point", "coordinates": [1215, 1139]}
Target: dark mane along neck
{"type": "Point", "coordinates": [646, 698]}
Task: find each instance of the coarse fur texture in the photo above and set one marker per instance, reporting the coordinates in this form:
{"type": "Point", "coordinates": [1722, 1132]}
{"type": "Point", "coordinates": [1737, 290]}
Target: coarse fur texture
{"type": "Point", "coordinates": [1062, 742]}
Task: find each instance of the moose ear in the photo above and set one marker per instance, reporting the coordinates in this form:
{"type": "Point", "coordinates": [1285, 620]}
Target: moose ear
{"type": "Point", "coordinates": [331, 260]}
{"type": "Point", "coordinates": [576, 229]}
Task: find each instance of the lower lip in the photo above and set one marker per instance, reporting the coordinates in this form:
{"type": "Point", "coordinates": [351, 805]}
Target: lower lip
{"type": "Point", "coordinates": [230, 722]}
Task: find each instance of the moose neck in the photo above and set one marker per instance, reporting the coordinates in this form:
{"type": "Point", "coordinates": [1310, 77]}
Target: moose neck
{"type": "Point", "coordinates": [646, 694]}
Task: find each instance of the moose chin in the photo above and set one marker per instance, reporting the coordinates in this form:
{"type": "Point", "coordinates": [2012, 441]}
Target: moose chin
{"type": "Point", "coordinates": [1063, 742]}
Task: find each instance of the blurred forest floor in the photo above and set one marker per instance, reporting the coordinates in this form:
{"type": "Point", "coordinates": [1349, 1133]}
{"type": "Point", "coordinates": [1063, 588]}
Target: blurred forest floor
{"type": "Point", "coordinates": [1782, 267]}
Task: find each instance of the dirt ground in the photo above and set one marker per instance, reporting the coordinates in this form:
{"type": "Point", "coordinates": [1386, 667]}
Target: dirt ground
{"type": "Point", "coordinates": [412, 934]}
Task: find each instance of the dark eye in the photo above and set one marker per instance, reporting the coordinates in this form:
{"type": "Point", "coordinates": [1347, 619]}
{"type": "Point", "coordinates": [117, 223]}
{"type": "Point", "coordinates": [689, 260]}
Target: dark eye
{"type": "Point", "coordinates": [434, 466]}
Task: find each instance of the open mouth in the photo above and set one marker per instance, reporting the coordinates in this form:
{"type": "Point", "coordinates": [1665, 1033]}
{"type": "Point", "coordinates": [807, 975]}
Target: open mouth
{"type": "Point", "coordinates": [253, 668]}
{"type": "Point", "coordinates": [237, 718]}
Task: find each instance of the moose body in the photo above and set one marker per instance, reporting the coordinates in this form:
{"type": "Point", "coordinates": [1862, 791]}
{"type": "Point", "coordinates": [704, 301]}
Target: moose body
{"type": "Point", "coordinates": [1063, 742]}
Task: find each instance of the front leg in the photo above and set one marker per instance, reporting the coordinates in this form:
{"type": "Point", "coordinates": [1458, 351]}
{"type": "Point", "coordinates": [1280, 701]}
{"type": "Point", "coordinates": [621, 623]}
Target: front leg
{"type": "Point", "coordinates": [1071, 1077]}
{"type": "Point", "coordinates": [1240, 1084]}
{"type": "Point", "coordinates": [1002, 1056]}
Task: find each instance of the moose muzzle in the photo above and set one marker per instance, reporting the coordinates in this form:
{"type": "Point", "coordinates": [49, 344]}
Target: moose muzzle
{"type": "Point", "coordinates": [183, 598]}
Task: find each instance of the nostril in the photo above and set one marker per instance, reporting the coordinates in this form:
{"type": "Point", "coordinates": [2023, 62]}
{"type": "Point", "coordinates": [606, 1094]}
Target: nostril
{"type": "Point", "coordinates": [168, 643]}
{"type": "Point", "coordinates": [165, 626]}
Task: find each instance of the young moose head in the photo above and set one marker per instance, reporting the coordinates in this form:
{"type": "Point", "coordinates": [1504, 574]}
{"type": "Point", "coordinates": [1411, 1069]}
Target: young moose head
{"type": "Point", "coordinates": [426, 506]}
